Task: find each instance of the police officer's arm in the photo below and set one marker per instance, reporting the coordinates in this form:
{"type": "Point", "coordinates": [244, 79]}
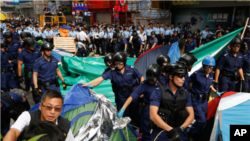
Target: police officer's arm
{"type": "Point", "coordinates": [241, 74]}
{"type": "Point", "coordinates": [88, 40]}
{"type": "Point", "coordinates": [153, 45]}
{"type": "Point", "coordinates": [190, 117]}
{"type": "Point", "coordinates": [83, 46]}
{"type": "Point", "coordinates": [157, 119]}
{"type": "Point", "coordinates": [94, 82]}
{"type": "Point", "coordinates": [76, 52]}
{"type": "Point", "coordinates": [217, 74]}
{"type": "Point", "coordinates": [19, 67]}
{"type": "Point", "coordinates": [35, 81]}
{"type": "Point", "coordinates": [58, 72]}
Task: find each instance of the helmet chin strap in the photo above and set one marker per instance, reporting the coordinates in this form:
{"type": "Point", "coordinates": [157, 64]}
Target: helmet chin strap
{"type": "Point", "coordinates": [174, 83]}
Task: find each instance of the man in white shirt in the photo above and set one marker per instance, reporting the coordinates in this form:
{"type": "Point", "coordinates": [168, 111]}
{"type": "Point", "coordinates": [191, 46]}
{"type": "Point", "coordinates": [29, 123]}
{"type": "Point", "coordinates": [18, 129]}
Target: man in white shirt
{"type": "Point", "coordinates": [49, 109]}
{"type": "Point", "coordinates": [82, 36]}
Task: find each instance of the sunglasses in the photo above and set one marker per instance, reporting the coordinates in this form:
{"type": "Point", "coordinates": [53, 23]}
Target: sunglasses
{"type": "Point", "coordinates": [118, 63]}
{"type": "Point", "coordinates": [208, 67]}
{"type": "Point", "coordinates": [180, 75]}
{"type": "Point", "coordinates": [49, 108]}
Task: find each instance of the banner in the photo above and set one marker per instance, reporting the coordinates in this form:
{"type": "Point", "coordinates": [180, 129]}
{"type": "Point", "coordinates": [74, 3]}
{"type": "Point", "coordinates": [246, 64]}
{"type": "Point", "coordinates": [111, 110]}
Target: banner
{"type": "Point", "coordinates": [199, 18]}
{"type": "Point", "coordinates": [80, 5]}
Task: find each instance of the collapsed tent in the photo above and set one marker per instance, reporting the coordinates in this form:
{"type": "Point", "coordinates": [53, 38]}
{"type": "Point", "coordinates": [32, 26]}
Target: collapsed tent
{"type": "Point", "coordinates": [149, 57]}
{"type": "Point", "coordinates": [85, 69]}
{"type": "Point", "coordinates": [93, 117]}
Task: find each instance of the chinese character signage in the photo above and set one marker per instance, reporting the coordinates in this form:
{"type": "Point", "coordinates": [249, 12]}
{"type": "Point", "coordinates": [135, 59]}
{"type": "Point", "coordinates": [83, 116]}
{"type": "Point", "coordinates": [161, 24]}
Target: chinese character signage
{"type": "Point", "coordinates": [199, 18]}
{"type": "Point", "coordinates": [80, 5]}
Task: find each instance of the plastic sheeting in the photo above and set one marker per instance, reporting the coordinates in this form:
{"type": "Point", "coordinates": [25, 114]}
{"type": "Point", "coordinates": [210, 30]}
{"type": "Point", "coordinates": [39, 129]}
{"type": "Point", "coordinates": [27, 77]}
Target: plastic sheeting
{"type": "Point", "coordinates": [83, 70]}
{"type": "Point", "coordinates": [76, 97]}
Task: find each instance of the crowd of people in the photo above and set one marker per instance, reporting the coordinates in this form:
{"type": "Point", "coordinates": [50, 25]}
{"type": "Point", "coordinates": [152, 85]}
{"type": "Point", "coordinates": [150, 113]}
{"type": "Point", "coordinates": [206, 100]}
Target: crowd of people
{"type": "Point", "coordinates": [169, 105]}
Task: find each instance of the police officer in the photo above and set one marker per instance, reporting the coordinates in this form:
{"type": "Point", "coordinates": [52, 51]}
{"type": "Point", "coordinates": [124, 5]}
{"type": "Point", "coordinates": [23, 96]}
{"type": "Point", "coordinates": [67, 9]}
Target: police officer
{"type": "Point", "coordinates": [163, 60]}
{"type": "Point", "coordinates": [157, 33]}
{"type": "Point", "coordinates": [208, 37]}
{"type": "Point", "coordinates": [27, 57]}
{"type": "Point", "coordinates": [171, 108]}
{"type": "Point", "coordinates": [37, 34]}
{"type": "Point", "coordinates": [190, 44]}
{"type": "Point", "coordinates": [153, 41]}
{"type": "Point", "coordinates": [49, 34]}
{"type": "Point", "coordinates": [230, 68]}
{"type": "Point", "coordinates": [45, 71]}
{"type": "Point", "coordinates": [148, 32]}
{"type": "Point", "coordinates": [174, 38]}
{"type": "Point", "coordinates": [188, 59]}
{"type": "Point", "coordinates": [125, 78]}
{"type": "Point", "coordinates": [10, 103]}
{"type": "Point", "coordinates": [202, 83]}
{"type": "Point", "coordinates": [7, 77]}
{"type": "Point", "coordinates": [166, 35]}
{"type": "Point", "coordinates": [96, 39]}
{"type": "Point", "coordinates": [104, 40]}
{"type": "Point", "coordinates": [14, 48]}
{"type": "Point", "coordinates": [146, 88]}
{"type": "Point", "coordinates": [121, 44]}
{"type": "Point", "coordinates": [179, 29]}
{"type": "Point", "coordinates": [204, 33]}
{"type": "Point", "coordinates": [73, 33]}
{"type": "Point", "coordinates": [110, 47]}
{"type": "Point", "coordinates": [136, 45]}
{"type": "Point", "coordinates": [15, 34]}
{"type": "Point", "coordinates": [81, 50]}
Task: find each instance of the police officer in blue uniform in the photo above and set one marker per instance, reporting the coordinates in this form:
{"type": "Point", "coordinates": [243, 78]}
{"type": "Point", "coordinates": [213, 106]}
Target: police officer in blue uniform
{"type": "Point", "coordinates": [171, 108]}
{"type": "Point", "coordinates": [121, 43]}
{"type": "Point", "coordinates": [125, 78]}
{"type": "Point", "coordinates": [190, 44]}
{"type": "Point", "coordinates": [37, 34]}
{"type": "Point", "coordinates": [146, 88]}
{"type": "Point", "coordinates": [163, 60]}
{"type": "Point", "coordinates": [14, 48]}
{"type": "Point", "coordinates": [104, 40]}
{"type": "Point", "coordinates": [148, 31]}
{"type": "Point", "coordinates": [167, 34]}
{"type": "Point", "coordinates": [7, 77]}
{"type": "Point", "coordinates": [174, 38]}
{"type": "Point", "coordinates": [136, 45]}
{"type": "Point", "coordinates": [246, 69]}
{"type": "Point", "coordinates": [204, 33]}
{"type": "Point", "coordinates": [188, 59]}
{"type": "Point", "coordinates": [202, 83]}
{"type": "Point", "coordinates": [110, 48]}
{"type": "Point", "coordinates": [207, 39]}
{"type": "Point", "coordinates": [15, 34]}
{"type": "Point", "coordinates": [157, 33]}
{"type": "Point", "coordinates": [73, 33]}
{"type": "Point", "coordinates": [12, 105]}
{"type": "Point", "coordinates": [230, 68]}
{"type": "Point", "coordinates": [179, 29]}
{"type": "Point", "coordinates": [27, 57]}
{"type": "Point", "coordinates": [152, 41]}
{"type": "Point", "coordinates": [45, 72]}
{"type": "Point", "coordinates": [81, 50]}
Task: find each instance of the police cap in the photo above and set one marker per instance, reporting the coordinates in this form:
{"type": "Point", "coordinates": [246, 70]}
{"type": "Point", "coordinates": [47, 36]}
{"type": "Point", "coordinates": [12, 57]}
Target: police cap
{"type": "Point", "coordinates": [153, 72]}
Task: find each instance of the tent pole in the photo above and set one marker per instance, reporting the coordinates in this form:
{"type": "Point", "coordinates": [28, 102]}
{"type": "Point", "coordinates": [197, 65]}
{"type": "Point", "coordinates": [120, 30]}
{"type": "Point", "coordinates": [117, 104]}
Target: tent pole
{"type": "Point", "coordinates": [244, 29]}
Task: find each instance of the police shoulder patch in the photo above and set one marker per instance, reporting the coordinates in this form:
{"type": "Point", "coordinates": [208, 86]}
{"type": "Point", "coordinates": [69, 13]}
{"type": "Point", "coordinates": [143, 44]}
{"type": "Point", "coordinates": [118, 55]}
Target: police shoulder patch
{"type": "Point", "coordinates": [157, 88]}
{"type": "Point", "coordinates": [225, 54]}
{"type": "Point", "coordinates": [131, 67]}
{"type": "Point", "coordinates": [113, 69]}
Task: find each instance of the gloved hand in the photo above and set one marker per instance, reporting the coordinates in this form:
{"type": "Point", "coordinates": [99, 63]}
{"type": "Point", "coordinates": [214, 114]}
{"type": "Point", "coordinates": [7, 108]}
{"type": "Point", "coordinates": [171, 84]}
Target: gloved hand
{"type": "Point", "coordinates": [20, 79]}
{"type": "Point", "coordinates": [174, 134]}
{"type": "Point", "coordinates": [64, 86]}
{"type": "Point", "coordinates": [37, 92]}
{"type": "Point", "coordinates": [243, 82]}
{"type": "Point", "coordinates": [120, 114]}
{"type": "Point", "coordinates": [91, 86]}
{"type": "Point", "coordinates": [216, 85]}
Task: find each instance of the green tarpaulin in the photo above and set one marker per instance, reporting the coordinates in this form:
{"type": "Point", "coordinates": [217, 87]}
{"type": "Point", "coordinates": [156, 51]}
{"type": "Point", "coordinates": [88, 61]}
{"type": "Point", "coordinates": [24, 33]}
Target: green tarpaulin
{"type": "Point", "coordinates": [83, 70]}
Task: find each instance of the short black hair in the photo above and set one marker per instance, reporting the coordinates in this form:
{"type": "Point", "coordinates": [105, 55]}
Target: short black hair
{"type": "Point", "coordinates": [76, 39]}
{"type": "Point", "coordinates": [198, 30]}
{"type": "Point", "coordinates": [51, 94]}
{"type": "Point", "coordinates": [52, 131]}
{"type": "Point", "coordinates": [207, 26]}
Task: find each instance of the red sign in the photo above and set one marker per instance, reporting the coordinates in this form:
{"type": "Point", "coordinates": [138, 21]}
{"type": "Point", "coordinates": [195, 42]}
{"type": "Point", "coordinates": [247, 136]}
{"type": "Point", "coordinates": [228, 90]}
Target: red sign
{"type": "Point", "coordinates": [120, 8]}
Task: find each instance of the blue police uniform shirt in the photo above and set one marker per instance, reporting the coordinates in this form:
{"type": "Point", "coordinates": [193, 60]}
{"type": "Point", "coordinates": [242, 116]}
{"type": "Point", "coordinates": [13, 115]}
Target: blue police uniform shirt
{"type": "Point", "coordinates": [152, 41]}
{"type": "Point", "coordinates": [148, 31]}
{"type": "Point", "coordinates": [3, 25]}
{"type": "Point", "coordinates": [26, 30]}
{"type": "Point", "coordinates": [178, 29]}
{"type": "Point", "coordinates": [126, 34]}
{"type": "Point", "coordinates": [4, 60]}
{"type": "Point", "coordinates": [30, 29]}
{"type": "Point", "coordinates": [130, 28]}
{"type": "Point", "coordinates": [79, 45]}
{"type": "Point", "coordinates": [186, 33]}
{"type": "Point", "coordinates": [16, 99]}
{"type": "Point", "coordinates": [104, 35]}
{"type": "Point", "coordinates": [201, 83]}
{"type": "Point", "coordinates": [172, 31]}
{"type": "Point", "coordinates": [35, 33]}
{"type": "Point", "coordinates": [110, 35]}
{"type": "Point", "coordinates": [1, 36]}
{"type": "Point", "coordinates": [157, 30]}
{"type": "Point", "coordinates": [46, 69]}
{"type": "Point", "coordinates": [19, 31]}
{"type": "Point", "coordinates": [167, 32]}
{"type": "Point", "coordinates": [155, 98]}
{"type": "Point", "coordinates": [204, 34]}
{"type": "Point", "coordinates": [15, 36]}
{"type": "Point", "coordinates": [229, 63]}
{"type": "Point", "coordinates": [123, 80]}
{"type": "Point", "coordinates": [49, 33]}
{"type": "Point", "coordinates": [73, 33]}
{"type": "Point", "coordinates": [188, 28]}
{"type": "Point", "coordinates": [29, 58]}
{"type": "Point", "coordinates": [246, 62]}
{"type": "Point", "coordinates": [162, 30]}
{"type": "Point", "coordinates": [13, 48]}
{"type": "Point", "coordinates": [5, 30]}
{"type": "Point", "coordinates": [163, 78]}
{"type": "Point", "coordinates": [44, 34]}
{"type": "Point", "coordinates": [145, 88]}
{"type": "Point", "coordinates": [190, 46]}
{"type": "Point", "coordinates": [55, 33]}
{"type": "Point", "coordinates": [89, 34]}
